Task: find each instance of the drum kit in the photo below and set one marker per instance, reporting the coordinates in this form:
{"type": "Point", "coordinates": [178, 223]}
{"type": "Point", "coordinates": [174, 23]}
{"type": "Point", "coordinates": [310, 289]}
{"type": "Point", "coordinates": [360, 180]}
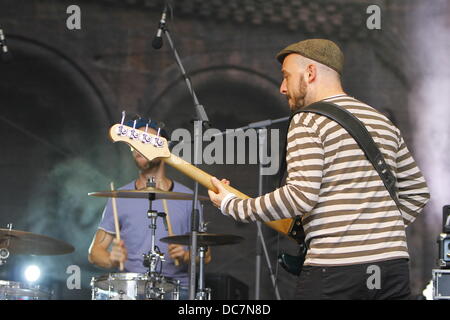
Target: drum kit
{"type": "Point", "coordinates": [26, 243]}
{"type": "Point", "coordinates": [113, 286]}
{"type": "Point", "coordinates": [153, 285]}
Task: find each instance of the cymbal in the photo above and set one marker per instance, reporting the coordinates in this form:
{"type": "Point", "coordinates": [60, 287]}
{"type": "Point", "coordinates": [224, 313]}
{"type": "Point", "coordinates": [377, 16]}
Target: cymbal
{"type": "Point", "coordinates": [204, 239]}
{"type": "Point", "coordinates": [21, 242]}
{"type": "Point", "coordinates": [145, 193]}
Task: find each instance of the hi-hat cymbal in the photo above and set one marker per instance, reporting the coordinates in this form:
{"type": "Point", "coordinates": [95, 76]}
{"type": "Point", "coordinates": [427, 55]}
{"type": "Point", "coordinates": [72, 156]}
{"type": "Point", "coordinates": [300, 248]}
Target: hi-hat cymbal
{"type": "Point", "coordinates": [145, 193]}
{"type": "Point", "coordinates": [21, 242]}
{"type": "Point", "coordinates": [204, 239]}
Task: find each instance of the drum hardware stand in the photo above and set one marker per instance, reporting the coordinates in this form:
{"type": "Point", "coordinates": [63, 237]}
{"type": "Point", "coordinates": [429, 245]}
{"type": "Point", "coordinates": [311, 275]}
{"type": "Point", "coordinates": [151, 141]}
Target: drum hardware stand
{"type": "Point", "coordinates": [203, 293]}
{"type": "Point", "coordinates": [201, 120]}
{"type": "Point", "coordinates": [4, 252]}
{"type": "Point", "coordinates": [152, 259]}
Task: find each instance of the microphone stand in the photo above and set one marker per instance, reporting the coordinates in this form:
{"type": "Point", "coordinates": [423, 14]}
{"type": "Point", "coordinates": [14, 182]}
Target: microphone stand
{"type": "Point", "coordinates": [255, 125]}
{"type": "Point", "coordinates": [201, 120]}
{"type": "Point", "coordinates": [260, 242]}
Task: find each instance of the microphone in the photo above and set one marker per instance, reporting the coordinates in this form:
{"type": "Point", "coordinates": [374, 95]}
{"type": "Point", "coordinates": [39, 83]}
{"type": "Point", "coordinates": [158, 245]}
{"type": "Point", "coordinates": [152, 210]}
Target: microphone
{"type": "Point", "coordinates": [158, 40]}
{"type": "Point", "coordinates": [3, 45]}
{"type": "Point", "coordinates": [5, 54]}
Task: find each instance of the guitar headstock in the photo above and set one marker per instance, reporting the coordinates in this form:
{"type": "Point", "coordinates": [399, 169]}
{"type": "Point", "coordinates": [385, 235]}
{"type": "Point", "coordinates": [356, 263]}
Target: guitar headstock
{"type": "Point", "coordinates": [149, 145]}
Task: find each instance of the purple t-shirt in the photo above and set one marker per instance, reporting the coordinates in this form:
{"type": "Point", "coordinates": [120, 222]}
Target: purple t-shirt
{"type": "Point", "coordinates": [135, 232]}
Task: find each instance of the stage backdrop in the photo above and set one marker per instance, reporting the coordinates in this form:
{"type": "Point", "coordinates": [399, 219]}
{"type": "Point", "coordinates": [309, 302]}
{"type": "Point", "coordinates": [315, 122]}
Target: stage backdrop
{"type": "Point", "coordinates": [63, 89]}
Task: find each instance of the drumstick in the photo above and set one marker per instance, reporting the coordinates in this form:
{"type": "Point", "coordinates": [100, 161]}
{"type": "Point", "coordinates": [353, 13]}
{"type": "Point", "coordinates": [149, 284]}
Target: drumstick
{"type": "Point", "coordinates": [116, 221]}
{"type": "Point", "coordinates": [169, 225]}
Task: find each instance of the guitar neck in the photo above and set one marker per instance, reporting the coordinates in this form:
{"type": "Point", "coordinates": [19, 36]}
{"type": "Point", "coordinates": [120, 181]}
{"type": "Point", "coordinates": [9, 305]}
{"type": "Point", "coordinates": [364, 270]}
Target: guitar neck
{"type": "Point", "coordinates": [283, 226]}
{"type": "Point", "coordinates": [198, 175]}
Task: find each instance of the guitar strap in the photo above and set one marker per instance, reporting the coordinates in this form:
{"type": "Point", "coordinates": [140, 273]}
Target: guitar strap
{"type": "Point", "coordinates": [359, 132]}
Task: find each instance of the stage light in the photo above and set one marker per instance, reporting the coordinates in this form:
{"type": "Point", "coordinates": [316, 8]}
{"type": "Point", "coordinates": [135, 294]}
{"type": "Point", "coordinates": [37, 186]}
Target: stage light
{"type": "Point", "coordinates": [32, 273]}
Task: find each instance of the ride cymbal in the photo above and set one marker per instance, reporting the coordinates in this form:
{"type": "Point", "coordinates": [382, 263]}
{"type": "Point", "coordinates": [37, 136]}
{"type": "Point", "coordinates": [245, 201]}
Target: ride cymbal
{"type": "Point", "coordinates": [146, 193]}
{"type": "Point", "coordinates": [21, 242]}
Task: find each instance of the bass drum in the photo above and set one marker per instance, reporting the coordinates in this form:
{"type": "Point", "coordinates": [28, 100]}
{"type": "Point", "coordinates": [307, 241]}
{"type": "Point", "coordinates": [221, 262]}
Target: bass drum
{"type": "Point", "coordinates": [10, 290]}
{"type": "Point", "coordinates": [134, 286]}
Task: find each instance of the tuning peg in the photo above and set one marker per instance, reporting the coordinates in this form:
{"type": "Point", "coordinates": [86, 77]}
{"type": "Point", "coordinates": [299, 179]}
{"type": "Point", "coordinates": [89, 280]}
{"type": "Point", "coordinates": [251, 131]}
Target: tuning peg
{"type": "Point", "coordinates": [134, 134]}
{"type": "Point", "coordinates": [121, 131]}
{"type": "Point", "coordinates": [158, 141]}
{"type": "Point", "coordinates": [145, 137]}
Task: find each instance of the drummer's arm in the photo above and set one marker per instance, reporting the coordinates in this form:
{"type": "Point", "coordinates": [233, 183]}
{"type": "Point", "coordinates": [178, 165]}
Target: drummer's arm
{"type": "Point", "coordinates": [98, 251]}
{"type": "Point", "coordinates": [178, 252]}
{"type": "Point", "coordinates": [187, 256]}
{"type": "Point", "coordinates": [208, 256]}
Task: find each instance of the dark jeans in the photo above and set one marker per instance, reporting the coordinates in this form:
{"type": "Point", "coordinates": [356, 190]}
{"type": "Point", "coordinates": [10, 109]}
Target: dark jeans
{"type": "Point", "coordinates": [372, 281]}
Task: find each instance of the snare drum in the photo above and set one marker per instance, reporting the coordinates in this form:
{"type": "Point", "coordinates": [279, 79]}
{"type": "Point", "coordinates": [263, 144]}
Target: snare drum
{"type": "Point", "coordinates": [134, 286]}
{"type": "Point", "coordinates": [10, 290]}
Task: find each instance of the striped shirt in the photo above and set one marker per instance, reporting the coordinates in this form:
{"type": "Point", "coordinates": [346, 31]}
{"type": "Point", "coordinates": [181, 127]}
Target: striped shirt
{"type": "Point", "coordinates": [347, 213]}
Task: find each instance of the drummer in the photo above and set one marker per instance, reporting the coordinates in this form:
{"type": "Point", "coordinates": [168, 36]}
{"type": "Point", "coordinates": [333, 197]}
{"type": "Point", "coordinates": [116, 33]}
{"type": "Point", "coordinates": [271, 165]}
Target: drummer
{"type": "Point", "coordinates": [134, 224]}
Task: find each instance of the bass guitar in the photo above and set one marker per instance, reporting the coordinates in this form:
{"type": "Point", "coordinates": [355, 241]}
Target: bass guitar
{"type": "Point", "coordinates": [152, 146]}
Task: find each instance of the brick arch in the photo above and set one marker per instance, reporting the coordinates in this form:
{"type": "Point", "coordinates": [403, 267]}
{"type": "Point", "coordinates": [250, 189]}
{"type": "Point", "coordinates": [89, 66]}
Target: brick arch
{"type": "Point", "coordinates": [226, 91]}
{"type": "Point", "coordinates": [53, 119]}
{"type": "Point", "coordinates": [70, 69]}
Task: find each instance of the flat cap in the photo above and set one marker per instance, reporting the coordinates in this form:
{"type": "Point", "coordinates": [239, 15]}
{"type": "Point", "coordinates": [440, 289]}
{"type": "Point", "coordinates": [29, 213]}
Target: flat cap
{"type": "Point", "coordinates": [323, 51]}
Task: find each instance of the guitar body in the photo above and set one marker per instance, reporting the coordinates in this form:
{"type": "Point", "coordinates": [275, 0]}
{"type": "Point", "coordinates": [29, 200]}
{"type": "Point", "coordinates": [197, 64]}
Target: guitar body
{"type": "Point", "coordinates": [293, 264]}
{"type": "Point", "coordinates": [290, 263]}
